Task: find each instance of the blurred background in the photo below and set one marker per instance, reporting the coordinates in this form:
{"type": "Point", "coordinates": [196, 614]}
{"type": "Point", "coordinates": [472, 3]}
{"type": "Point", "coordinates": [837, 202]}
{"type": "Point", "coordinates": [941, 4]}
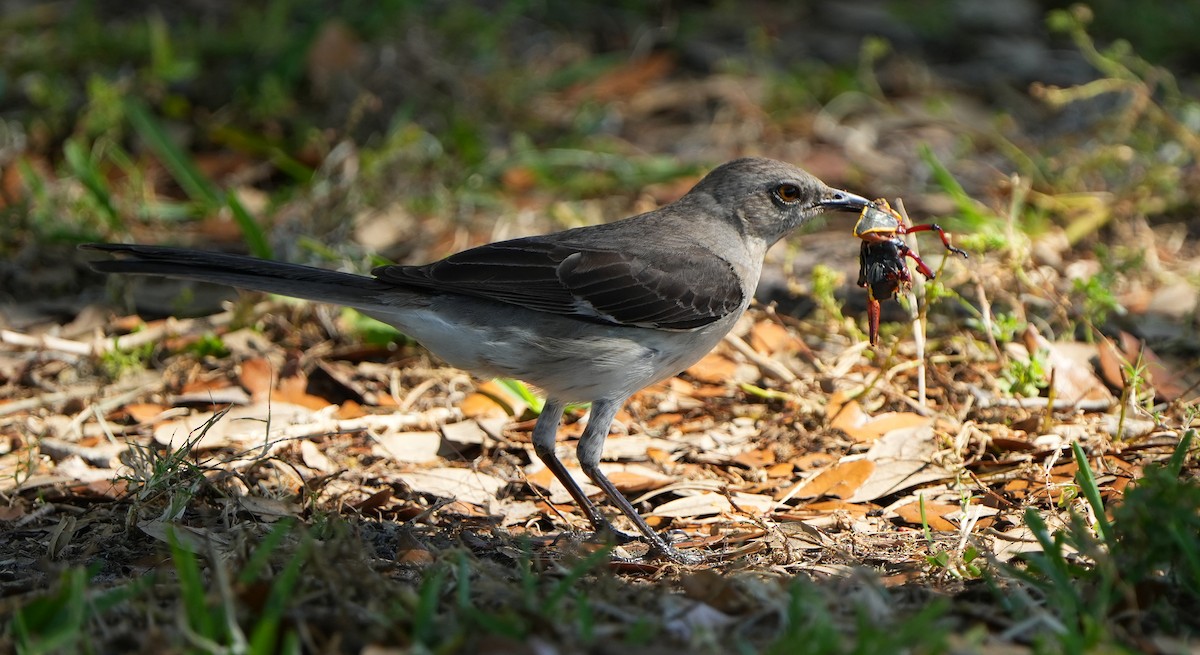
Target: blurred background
{"type": "Point", "coordinates": [348, 133]}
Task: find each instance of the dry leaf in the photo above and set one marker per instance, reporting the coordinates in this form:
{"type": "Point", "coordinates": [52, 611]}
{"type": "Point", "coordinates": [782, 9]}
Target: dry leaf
{"type": "Point", "coordinates": [458, 483]}
{"type": "Point", "coordinates": [257, 377]}
{"type": "Point", "coordinates": [863, 428]}
{"type": "Point", "coordinates": [840, 481]}
{"type": "Point", "coordinates": [294, 390]}
{"type": "Point", "coordinates": [753, 504]}
{"type": "Point", "coordinates": [268, 508]}
{"type": "Point", "coordinates": [254, 424]}
{"type": "Point", "coordinates": [350, 409]}
{"type": "Point", "coordinates": [634, 478]}
{"type": "Point", "coordinates": [768, 337]}
{"type": "Point", "coordinates": [315, 459]}
{"type": "Point", "coordinates": [510, 403]}
{"type": "Point", "coordinates": [1074, 380]}
{"type": "Point", "coordinates": [144, 412]}
{"type": "Point", "coordinates": [1168, 385]}
{"type": "Point", "coordinates": [902, 459]}
{"type": "Point", "coordinates": [193, 540]}
{"type": "Point", "coordinates": [624, 81]}
{"type": "Point", "coordinates": [375, 501]}
{"type": "Point", "coordinates": [226, 395]}
{"type": "Point", "coordinates": [713, 369]}
{"type": "Point", "coordinates": [934, 515]}
{"type": "Point", "coordinates": [693, 506]}
{"type": "Point", "coordinates": [409, 447]}
{"type": "Point", "coordinates": [465, 432]}
{"type": "Point", "coordinates": [335, 52]}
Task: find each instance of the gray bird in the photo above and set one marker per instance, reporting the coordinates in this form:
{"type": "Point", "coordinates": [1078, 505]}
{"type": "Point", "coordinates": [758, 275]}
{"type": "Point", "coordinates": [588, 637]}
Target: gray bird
{"type": "Point", "coordinates": [588, 314]}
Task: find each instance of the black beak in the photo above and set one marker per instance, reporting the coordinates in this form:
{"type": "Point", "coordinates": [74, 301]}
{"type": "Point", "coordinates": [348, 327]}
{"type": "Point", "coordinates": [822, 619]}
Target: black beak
{"type": "Point", "coordinates": [838, 200]}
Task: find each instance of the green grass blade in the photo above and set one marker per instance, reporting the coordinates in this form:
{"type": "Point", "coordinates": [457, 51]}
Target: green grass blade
{"type": "Point", "coordinates": [582, 568]}
{"type": "Point", "coordinates": [193, 182]}
{"type": "Point", "coordinates": [945, 179]}
{"type": "Point", "coordinates": [519, 389]}
{"type": "Point", "coordinates": [1087, 484]}
{"type": "Point", "coordinates": [262, 553]}
{"type": "Point", "coordinates": [425, 616]}
{"type": "Point", "coordinates": [266, 630]}
{"type": "Point", "coordinates": [84, 169]}
{"type": "Point", "coordinates": [1175, 464]}
{"type": "Point", "coordinates": [54, 623]}
{"type": "Point", "coordinates": [256, 239]}
{"type": "Point", "coordinates": [191, 586]}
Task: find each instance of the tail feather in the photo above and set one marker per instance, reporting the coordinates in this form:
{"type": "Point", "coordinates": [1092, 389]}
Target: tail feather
{"type": "Point", "coordinates": [245, 272]}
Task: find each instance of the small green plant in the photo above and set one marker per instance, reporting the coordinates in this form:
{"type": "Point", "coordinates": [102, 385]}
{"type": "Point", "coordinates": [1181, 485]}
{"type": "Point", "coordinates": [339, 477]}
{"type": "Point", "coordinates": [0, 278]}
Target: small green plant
{"type": "Point", "coordinates": [1025, 377]}
{"type": "Point", "coordinates": [116, 362]}
{"type": "Point", "coordinates": [211, 619]}
{"type": "Point", "coordinates": [151, 473]}
{"type": "Point", "coordinates": [208, 345]}
{"type": "Point", "coordinates": [1093, 580]}
{"type": "Point", "coordinates": [57, 622]}
{"type": "Point", "coordinates": [825, 282]}
{"type": "Point", "coordinates": [1005, 326]}
{"type": "Point", "coordinates": [960, 562]}
{"type": "Point", "coordinates": [1096, 298]}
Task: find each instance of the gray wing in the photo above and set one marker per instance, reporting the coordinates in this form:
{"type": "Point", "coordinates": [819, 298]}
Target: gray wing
{"type": "Point", "coordinates": [679, 289]}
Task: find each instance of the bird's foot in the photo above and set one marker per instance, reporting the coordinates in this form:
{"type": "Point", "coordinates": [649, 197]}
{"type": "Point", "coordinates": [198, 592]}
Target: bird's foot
{"type": "Point", "coordinates": [659, 545]}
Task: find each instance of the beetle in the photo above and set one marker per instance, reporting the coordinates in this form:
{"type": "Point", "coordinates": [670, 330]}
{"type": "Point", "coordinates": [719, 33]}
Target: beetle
{"type": "Point", "coordinates": [881, 267]}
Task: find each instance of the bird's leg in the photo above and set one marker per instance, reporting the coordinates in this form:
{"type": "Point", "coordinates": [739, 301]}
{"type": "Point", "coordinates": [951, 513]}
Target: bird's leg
{"type": "Point", "coordinates": [545, 436]}
{"type": "Point", "coordinates": [591, 447]}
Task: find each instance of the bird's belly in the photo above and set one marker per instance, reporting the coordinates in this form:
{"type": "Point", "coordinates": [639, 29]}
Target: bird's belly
{"type": "Point", "coordinates": [568, 359]}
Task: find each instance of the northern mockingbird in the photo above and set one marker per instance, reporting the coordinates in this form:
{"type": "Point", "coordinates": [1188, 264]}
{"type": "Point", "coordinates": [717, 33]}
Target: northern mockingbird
{"type": "Point", "coordinates": [588, 314]}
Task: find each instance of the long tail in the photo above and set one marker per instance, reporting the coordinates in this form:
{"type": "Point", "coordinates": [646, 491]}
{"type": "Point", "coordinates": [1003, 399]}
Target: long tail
{"type": "Point", "coordinates": [245, 272]}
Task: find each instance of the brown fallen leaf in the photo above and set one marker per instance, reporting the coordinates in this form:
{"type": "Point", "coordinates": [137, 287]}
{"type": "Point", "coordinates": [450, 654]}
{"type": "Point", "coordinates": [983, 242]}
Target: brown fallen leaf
{"type": "Point", "coordinates": [374, 502]}
{"type": "Point", "coordinates": [903, 459]}
{"type": "Point", "coordinates": [623, 81]}
{"type": "Point", "coordinates": [768, 337]}
{"type": "Point", "coordinates": [635, 478]}
{"type": "Point", "coordinates": [314, 459]}
{"type": "Point", "coordinates": [459, 483]}
{"type": "Point", "coordinates": [269, 509]}
{"type": "Point", "coordinates": [934, 515]}
{"type": "Point", "coordinates": [252, 424]}
{"type": "Point", "coordinates": [839, 481]}
{"type": "Point", "coordinates": [144, 412]}
{"type": "Point", "coordinates": [490, 395]}
{"type": "Point", "coordinates": [1074, 380]}
{"type": "Point", "coordinates": [705, 504]}
{"type": "Point", "coordinates": [350, 409]}
{"type": "Point", "coordinates": [410, 447]}
{"type": "Point", "coordinates": [294, 390]}
{"type": "Point", "coordinates": [713, 369]}
{"type": "Point", "coordinates": [1168, 384]}
{"type": "Point", "coordinates": [849, 417]}
{"type": "Point", "coordinates": [257, 377]}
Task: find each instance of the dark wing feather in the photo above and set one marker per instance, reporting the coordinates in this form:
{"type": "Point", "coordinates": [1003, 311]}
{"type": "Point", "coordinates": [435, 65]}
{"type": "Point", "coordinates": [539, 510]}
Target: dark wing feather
{"type": "Point", "coordinates": [679, 289]}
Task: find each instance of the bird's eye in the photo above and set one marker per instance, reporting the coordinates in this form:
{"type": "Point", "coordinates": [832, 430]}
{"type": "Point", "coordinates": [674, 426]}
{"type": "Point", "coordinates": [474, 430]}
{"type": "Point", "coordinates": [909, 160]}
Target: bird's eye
{"type": "Point", "coordinates": [787, 192]}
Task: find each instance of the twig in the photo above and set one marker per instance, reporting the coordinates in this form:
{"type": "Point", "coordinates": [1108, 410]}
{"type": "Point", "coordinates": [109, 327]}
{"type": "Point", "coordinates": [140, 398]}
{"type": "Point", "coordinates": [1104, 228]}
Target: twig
{"type": "Point", "coordinates": [45, 342]}
{"type": "Point", "coordinates": [140, 384]}
{"type": "Point", "coordinates": [914, 312]}
{"type": "Point", "coordinates": [765, 364]}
